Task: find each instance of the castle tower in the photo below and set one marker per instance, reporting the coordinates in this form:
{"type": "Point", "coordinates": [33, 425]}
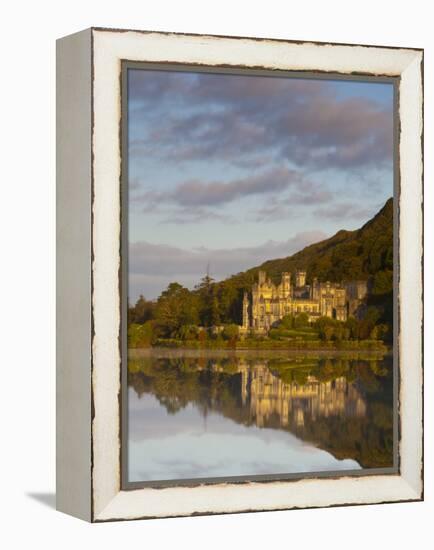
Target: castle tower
{"type": "Point", "coordinates": [300, 278]}
{"type": "Point", "coordinates": [262, 276]}
{"type": "Point", "coordinates": [246, 311]}
{"type": "Point", "coordinates": [315, 289]}
{"type": "Point", "coordinates": [286, 284]}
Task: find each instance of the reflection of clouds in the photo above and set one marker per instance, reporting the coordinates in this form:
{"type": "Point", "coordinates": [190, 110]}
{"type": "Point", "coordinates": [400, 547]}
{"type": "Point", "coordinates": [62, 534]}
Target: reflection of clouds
{"type": "Point", "coordinates": [224, 455]}
{"type": "Point", "coordinates": [187, 445]}
{"type": "Point", "coordinates": [150, 420]}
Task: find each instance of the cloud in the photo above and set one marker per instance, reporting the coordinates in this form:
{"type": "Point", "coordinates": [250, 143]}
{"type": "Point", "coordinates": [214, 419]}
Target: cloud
{"type": "Point", "coordinates": [196, 193]}
{"type": "Point", "coordinates": [181, 87]}
{"type": "Point", "coordinates": [187, 117]}
{"type": "Point", "coordinates": [153, 266]}
{"type": "Point", "coordinates": [346, 133]}
{"type": "Point", "coordinates": [346, 210]}
{"type": "Point", "coordinates": [272, 211]}
{"type": "Point", "coordinates": [286, 207]}
{"type": "Point", "coordinates": [195, 201]}
{"type": "Point", "coordinates": [183, 216]}
{"type": "Point", "coordinates": [215, 193]}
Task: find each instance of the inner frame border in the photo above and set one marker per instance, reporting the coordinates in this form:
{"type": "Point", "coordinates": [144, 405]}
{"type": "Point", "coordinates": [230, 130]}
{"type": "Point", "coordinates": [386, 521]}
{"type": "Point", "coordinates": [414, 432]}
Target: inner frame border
{"type": "Point", "coordinates": [126, 65]}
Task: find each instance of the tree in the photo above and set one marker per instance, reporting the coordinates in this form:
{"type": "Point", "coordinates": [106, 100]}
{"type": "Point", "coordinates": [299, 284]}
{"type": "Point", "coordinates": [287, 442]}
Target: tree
{"type": "Point", "coordinates": [326, 328]}
{"type": "Point", "coordinates": [142, 311]}
{"type": "Point", "coordinates": [176, 306]}
{"type": "Point", "coordinates": [367, 324]}
{"type": "Point", "coordinates": [327, 333]}
{"type": "Point", "coordinates": [208, 302]}
{"type": "Point", "coordinates": [287, 322]}
{"type": "Point", "coordinates": [188, 332]}
{"type": "Point", "coordinates": [214, 315]}
{"type": "Point", "coordinates": [301, 320]}
{"type": "Point", "coordinates": [229, 302]}
{"type": "Point", "coordinates": [140, 335]}
{"type": "Point", "coordinates": [353, 328]}
{"type": "Point", "coordinates": [383, 282]}
{"type": "Point", "coordinates": [230, 332]}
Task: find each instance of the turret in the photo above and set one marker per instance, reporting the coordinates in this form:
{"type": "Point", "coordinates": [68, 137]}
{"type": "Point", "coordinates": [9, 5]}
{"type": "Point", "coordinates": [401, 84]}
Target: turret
{"type": "Point", "coordinates": [246, 310]}
{"type": "Point", "coordinates": [286, 283]}
{"type": "Point", "coordinates": [300, 278]}
{"type": "Point", "coordinates": [314, 289]}
{"type": "Point", "coordinates": [262, 276]}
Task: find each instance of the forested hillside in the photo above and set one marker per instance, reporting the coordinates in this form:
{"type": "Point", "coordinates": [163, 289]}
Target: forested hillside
{"type": "Point", "coordinates": [364, 254]}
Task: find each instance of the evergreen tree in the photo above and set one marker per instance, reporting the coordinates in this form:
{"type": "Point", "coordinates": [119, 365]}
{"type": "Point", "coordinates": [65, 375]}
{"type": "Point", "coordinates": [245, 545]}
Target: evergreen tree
{"type": "Point", "coordinates": [176, 307]}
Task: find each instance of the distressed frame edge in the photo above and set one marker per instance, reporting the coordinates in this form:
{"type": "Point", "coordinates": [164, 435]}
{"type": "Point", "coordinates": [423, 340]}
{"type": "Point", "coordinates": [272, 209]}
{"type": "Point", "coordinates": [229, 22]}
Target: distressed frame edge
{"type": "Point", "coordinates": [114, 509]}
{"type": "Point", "coordinates": [411, 204]}
{"type": "Point", "coordinates": [252, 38]}
{"type": "Point", "coordinates": [73, 275]}
{"type": "Point", "coordinates": [410, 491]}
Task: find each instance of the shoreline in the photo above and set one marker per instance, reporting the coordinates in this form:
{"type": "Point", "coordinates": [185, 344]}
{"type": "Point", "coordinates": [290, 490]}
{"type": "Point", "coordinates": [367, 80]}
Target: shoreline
{"type": "Point", "coordinates": [295, 346]}
{"type": "Point", "coordinates": [197, 352]}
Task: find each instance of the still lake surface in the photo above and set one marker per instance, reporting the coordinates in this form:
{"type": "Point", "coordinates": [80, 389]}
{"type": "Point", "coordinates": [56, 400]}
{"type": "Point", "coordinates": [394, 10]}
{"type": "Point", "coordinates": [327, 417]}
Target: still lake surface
{"type": "Point", "coordinates": [205, 413]}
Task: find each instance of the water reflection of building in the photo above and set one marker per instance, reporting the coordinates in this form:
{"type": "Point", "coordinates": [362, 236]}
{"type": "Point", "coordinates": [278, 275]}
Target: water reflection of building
{"type": "Point", "coordinates": [291, 404]}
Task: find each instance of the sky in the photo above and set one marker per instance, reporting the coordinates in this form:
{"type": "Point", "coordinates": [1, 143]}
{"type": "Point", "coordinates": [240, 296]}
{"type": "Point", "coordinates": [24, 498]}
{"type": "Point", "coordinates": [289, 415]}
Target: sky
{"type": "Point", "coordinates": [226, 171]}
{"type": "Point", "coordinates": [185, 445]}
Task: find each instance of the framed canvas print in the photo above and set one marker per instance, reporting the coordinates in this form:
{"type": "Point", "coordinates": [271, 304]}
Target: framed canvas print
{"type": "Point", "coordinates": [239, 259]}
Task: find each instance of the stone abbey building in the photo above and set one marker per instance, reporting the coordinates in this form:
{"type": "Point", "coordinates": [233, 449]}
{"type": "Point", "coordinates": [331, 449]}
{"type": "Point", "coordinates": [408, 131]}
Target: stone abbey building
{"type": "Point", "coordinates": [268, 302]}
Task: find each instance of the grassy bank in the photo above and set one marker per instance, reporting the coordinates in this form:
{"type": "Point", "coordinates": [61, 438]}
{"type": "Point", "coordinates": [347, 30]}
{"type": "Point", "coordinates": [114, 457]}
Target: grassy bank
{"type": "Point", "coordinates": [269, 344]}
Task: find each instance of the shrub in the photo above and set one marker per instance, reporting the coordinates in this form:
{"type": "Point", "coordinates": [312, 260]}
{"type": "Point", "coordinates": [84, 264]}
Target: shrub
{"type": "Point", "coordinates": [188, 332]}
{"type": "Point", "coordinates": [230, 332]}
{"type": "Point", "coordinates": [140, 336]}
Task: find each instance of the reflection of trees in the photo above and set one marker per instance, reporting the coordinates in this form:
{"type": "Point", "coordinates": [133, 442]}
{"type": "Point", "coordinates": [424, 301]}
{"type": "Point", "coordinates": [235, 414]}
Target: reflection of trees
{"type": "Point", "coordinates": [178, 382]}
{"type": "Point", "coordinates": [342, 405]}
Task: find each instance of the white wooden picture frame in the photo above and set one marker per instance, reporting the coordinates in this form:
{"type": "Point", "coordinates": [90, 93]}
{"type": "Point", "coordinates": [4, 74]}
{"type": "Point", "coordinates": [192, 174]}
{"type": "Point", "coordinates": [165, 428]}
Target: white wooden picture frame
{"type": "Point", "coordinates": [89, 375]}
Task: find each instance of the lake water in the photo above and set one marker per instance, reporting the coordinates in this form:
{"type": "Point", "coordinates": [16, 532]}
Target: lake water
{"type": "Point", "coordinates": [205, 414]}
